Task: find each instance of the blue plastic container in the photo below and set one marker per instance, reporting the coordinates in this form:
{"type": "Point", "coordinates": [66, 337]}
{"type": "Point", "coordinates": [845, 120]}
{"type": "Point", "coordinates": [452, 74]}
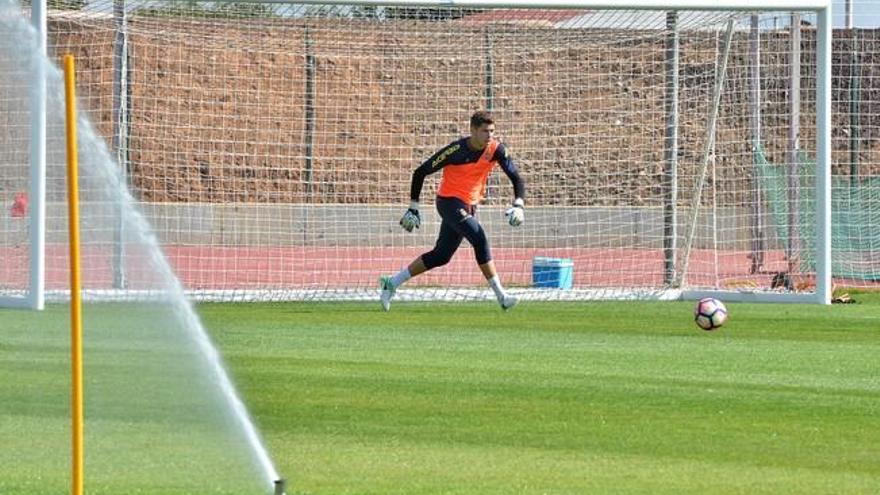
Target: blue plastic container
{"type": "Point", "coordinates": [552, 273]}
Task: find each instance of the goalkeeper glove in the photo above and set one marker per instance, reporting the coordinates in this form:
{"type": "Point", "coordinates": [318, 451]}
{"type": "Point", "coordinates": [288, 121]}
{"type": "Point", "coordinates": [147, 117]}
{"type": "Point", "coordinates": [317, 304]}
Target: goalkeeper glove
{"type": "Point", "coordinates": [411, 219]}
{"type": "Point", "coordinates": [515, 214]}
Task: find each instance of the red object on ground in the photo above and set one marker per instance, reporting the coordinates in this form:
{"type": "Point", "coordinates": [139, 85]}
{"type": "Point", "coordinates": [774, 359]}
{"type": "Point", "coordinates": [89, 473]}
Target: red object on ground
{"type": "Point", "coordinates": [19, 205]}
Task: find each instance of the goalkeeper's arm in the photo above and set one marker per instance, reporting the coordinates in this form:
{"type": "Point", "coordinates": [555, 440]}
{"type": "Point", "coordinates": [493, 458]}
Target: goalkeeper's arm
{"type": "Point", "coordinates": [507, 165]}
{"type": "Point", "coordinates": [515, 214]}
{"type": "Point", "coordinates": [412, 219]}
{"type": "Point", "coordinates": [418, 180]}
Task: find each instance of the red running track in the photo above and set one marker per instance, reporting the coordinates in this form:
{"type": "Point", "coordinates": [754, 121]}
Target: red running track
{"type": "Point", "coordinates": [228, 268]}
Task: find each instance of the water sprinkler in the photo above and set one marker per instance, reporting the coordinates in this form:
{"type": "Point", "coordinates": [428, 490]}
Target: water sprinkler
{"type": "Point", "coordinates": [279, 487]}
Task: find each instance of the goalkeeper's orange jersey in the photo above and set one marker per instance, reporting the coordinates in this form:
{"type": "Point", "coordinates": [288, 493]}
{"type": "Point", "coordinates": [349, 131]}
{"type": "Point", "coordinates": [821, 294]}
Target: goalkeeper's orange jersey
{"type": "Point", "coordinates": [467, 181]}
{"type": "Point", "coordinates": [465, 171]}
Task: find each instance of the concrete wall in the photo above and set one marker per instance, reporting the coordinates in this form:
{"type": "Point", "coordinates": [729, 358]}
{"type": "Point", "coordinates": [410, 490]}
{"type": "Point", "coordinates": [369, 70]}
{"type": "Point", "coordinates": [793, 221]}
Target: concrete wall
{"type": "Point", "coordinates": [359, 225]}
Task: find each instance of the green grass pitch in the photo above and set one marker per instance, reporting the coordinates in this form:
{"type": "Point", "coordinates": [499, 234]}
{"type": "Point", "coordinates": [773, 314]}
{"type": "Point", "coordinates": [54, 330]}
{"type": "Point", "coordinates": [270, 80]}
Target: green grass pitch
{"type": "Point", "coordinates": [460, 398]}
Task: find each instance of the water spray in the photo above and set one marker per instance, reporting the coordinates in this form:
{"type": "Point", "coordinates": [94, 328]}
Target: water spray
{"type": "Point", "coordinates": [99, 165]}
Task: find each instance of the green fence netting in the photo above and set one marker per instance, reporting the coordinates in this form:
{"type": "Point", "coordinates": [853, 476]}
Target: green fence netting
{"type": "Point", "coordinates": [855, 217]}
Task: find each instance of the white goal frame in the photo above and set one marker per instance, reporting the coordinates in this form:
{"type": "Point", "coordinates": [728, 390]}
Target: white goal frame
{"type": "Point", "coordinates": [33, 297]}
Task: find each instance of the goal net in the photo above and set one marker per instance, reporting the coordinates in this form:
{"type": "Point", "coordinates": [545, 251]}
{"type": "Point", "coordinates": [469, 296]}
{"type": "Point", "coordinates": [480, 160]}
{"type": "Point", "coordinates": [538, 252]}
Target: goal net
{"type": "Point", "coordinates": [272, 145]}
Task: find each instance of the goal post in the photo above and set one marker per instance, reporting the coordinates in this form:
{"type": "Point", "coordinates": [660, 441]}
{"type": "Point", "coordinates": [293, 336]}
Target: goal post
{"type": "Point", "coordinates": [271, 145]}
{"type": "Point", "coordinates": [23, 241]}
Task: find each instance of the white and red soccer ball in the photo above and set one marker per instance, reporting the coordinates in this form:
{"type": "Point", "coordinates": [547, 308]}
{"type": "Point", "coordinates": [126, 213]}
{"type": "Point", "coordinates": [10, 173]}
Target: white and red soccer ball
{"type": "Point", "coordinates": [710, 313]}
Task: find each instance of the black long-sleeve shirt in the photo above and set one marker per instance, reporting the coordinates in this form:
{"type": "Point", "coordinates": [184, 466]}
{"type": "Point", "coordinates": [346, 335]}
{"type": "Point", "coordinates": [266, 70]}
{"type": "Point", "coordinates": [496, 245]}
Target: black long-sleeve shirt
{"type": "Point", "coordinates": [459, 153]}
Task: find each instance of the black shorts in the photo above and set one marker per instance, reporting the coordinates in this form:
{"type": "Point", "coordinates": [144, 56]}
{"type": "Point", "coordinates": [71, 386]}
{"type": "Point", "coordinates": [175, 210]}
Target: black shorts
{"type": "Point", "coordinates": [458, 223]}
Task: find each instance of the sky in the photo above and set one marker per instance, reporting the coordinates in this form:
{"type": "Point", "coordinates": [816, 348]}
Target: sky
{"type": "Point", "coordinates": [866, 13]}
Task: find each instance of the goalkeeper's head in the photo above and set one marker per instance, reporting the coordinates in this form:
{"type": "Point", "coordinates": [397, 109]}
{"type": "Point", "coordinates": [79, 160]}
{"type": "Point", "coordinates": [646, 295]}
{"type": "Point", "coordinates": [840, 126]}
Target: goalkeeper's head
{"type": "Point", "coordinates": [481, 117]}
{"type": "Point", "coordinates": [482, 128]}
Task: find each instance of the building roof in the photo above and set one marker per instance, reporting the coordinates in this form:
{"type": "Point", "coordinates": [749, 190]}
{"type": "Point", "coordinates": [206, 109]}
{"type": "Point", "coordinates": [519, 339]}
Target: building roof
{"type": "Point", "coordinates": [549, 18]}
{"type": "Point", "coordinates": [597, 19]}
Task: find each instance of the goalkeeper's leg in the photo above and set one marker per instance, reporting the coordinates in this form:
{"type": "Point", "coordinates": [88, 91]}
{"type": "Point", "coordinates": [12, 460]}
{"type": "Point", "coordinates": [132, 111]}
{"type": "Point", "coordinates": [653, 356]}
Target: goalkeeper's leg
{"type": "Point", "coordinates": [468, 227]}
{"type": "Point", "coordinates": [506, 300]}
{"type": "Point", "coordinates": [447, 243]}
{"type": "Point", "coordinates": [387, 288]}
{"type": "Point", "coordinates": [389, 284]}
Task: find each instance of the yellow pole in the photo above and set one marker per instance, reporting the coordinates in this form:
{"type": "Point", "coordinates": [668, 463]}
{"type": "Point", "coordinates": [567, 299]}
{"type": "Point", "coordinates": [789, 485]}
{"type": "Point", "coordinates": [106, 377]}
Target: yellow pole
{"type": "Point", "coordinates": [75, 296]}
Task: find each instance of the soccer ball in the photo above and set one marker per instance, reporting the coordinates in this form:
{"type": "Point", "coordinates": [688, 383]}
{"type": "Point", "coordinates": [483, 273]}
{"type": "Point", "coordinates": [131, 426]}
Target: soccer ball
{"type": "Point", "coordinates": [710, 313]}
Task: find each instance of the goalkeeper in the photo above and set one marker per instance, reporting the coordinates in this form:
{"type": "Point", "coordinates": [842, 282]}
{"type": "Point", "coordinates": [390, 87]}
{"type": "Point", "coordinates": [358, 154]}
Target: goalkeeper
{"type": "Point", "coordinates": [466, 164]}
